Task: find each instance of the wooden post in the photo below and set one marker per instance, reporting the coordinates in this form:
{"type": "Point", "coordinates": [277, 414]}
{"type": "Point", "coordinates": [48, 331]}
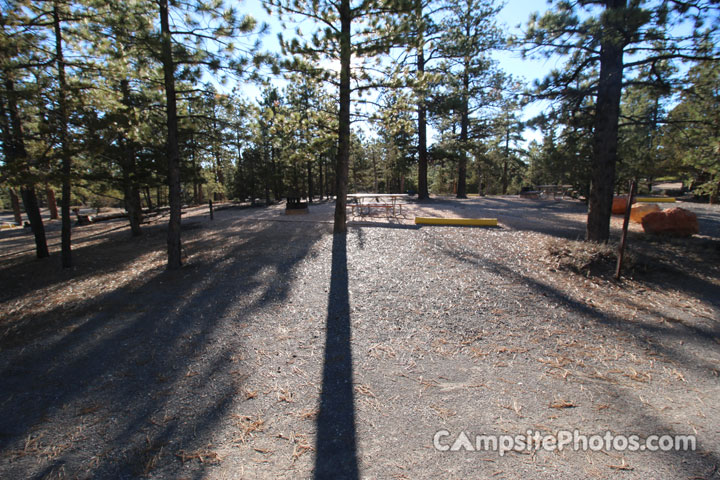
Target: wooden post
{"type": "Point", "coordinates": [626, 221]}
{"type": "Point", "coordinates": [212, 216]}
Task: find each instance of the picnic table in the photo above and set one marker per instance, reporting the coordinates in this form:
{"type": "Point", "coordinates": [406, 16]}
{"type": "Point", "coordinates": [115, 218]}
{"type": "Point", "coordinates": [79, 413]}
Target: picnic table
{"type": "Point", "coordinates": [554, 190]}
{"type": "Point", "coordinates": [367, 201]}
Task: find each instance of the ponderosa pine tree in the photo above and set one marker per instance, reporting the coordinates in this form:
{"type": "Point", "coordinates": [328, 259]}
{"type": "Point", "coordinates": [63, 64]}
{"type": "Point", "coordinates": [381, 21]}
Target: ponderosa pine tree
{"type": "Point", "coordinates": [18, 48]}
{"type": "Point", "coordinates": [692, 133]}
{"type": "Point", "coordinates": [601, 34]}
{"type": "Point", "coordinates": [424, 38]}
{"type": "Point", "coordinates": [472, 81]}
{"type": "Point", "coordinates": [204, 39]}
{"type": "Point", "coordinates": [58, 14]}
{"type": "Point", "coordinates": [346, 30]}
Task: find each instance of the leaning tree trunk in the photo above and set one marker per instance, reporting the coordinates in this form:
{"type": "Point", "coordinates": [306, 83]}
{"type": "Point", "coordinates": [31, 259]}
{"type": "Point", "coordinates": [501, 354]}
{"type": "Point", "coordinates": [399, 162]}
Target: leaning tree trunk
{"type": "Point", "coordinates": [605, 138]}
{"type": "Point", "coordinates": [343, 154]}
{"type": "Point", "coordinates": [66, 252]}
{"type": "Point", "coordinates": [18, 156]}
{"type": "Point", "coordinates": [173, 238]}
{"type": "Point", "coordinates": [32, 210]}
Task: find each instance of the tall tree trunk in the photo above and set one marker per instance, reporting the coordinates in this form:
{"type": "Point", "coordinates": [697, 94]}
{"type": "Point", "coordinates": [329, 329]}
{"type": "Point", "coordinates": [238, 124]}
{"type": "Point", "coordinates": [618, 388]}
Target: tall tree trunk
{"type": "Point", "coordinates": [131, 189]}
{"type": "Point", "coordinates": [269, 180]}
{"type": "Point", "coordinates": [423, 192]}
{"type": "Point", "coordinates": [173, 237]}
{"type": "Point", "coordinates": [217, 162]}
{"type": "Point", "coordinates": [464, 126]}
{"type": "Point", "coordinates": [506, 161]}
{"type": "Point", "coordinates": [66, 167]}
{"type": "Point", "coordinates": [343, 154]}
{"type": "Point", "coordinates": [18, 156]}
{"type": "Point", "coordinates": [481, 179]}
{"type": "Point", "coordinates": [33, 213]}
{"type": "Point", "coordinates": [320, 180]}
{"type": "Point", "coordinates": [196, 170]}
{"type": "Point", "coordinates": [15, 202]}
{"type": "Point", "coordinates": [52, 202]}
{"type": "Point", "coordinates": [131, 194]}
{"type": "Point", "coordinates": [148, 198]}
{"type": "Point", "coordinates": [607, 113]}
{"type": "Point", "coordinates": [310, 185]}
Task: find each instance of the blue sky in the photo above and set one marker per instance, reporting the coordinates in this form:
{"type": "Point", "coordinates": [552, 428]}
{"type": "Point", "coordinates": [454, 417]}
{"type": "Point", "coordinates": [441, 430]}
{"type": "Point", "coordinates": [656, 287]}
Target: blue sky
{"type": "Point", "coordinates": [513, 17]}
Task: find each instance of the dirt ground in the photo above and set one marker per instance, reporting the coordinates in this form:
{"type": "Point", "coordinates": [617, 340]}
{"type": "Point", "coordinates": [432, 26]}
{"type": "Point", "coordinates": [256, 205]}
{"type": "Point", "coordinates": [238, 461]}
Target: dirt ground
{"type": "Point", "coordinates": [282, 351]}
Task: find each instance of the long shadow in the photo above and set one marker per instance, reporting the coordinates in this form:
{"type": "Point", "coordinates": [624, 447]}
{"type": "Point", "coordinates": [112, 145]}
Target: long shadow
{"type": "Point", "coordinates": [148, 374]}
{"type": "Point", "coordinates": [639, 330]}
{"type": "Point", "coordinates": [335, 448]}
{"type": "Point", "coordinates": [535, 216]}
{"type": "Point", "coordinates": [643, 335]}
{"type": "Point", "coordinates": [38, 274]}
{"type": "Point", "coordinates": [30, 275]}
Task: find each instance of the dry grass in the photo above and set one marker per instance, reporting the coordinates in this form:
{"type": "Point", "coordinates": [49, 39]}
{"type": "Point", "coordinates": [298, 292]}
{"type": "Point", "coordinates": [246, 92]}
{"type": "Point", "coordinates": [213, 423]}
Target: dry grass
{"type": "Point", "coordinates": [474, 328]}
{"type": "Point", "coordinates": [202, 456]}
{"type": "Point", "coordinates": [248, 426]}
{"type": "Point", "coordinates": [585, 258]}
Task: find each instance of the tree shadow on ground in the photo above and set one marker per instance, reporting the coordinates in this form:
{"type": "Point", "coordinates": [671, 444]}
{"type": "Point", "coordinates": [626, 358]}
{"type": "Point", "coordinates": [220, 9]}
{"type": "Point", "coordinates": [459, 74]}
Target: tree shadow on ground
{"type": "Point", "coordinates": [140, 382]}
{"type": "Point", "coordinates": [30, 274]}
{"type": "Point", "coordinates": [540, 216]}
{"type": "Point", "coordinates": [335, 448]}
{"type": "Point", "coordinates": [685, 346]}
{"type": "Point", "coordinates": [681, 264]}
{"type": "Point", "coordinates": [110, 256]}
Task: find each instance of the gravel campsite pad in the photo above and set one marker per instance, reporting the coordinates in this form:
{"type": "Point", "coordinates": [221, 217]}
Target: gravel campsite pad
{"type": "Point", "coordinates": [280, 349]}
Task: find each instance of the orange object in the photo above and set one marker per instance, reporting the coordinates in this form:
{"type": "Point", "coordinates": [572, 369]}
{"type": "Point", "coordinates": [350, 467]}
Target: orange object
{"type": "Point", "coordinates": [619, 204]}
{"type": "Point", "coordinates": [639, 210]}
{"type": "Point", "coordinates": [673, 221]}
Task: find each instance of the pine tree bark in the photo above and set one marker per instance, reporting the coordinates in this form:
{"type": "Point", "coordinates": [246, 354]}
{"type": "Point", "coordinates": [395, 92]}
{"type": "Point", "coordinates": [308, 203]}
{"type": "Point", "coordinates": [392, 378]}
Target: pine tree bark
{"type": "Point", "coordinates": [15, 202]}
{"type": "Point", "coordinates": [310, 182]}
{"type": "Point", "coordinates": [17, 154]}
{"type": "Point", "coordinates": [32, 210]}
{"type": "Point", "coordinates": [343, 154]}
{"type": "Point", "coordinates": [33, 213]}
{"type": "Point", "coordinates": [423, 192]}
{"type": "Point", "coordinates": [131, 189]}
{"type": "Point", "coordinates": [66, 159]}
{"type": "Point", "coordinates": [607, 113]}
{"type": "Point", "coordinates": [52, 202]}
{"type": "Point", "coordinates": [481, 180]}
{"type": "Point", "coordinates": [320, 179]}
{"type": "Point", "coordinates": [464, 127]}
{"type": "Point", "coordinates": [173, 153]}
{"type": "Point", "coordinates": [506, 161]}
{"type": "Point", "coordinates": [148, 198]}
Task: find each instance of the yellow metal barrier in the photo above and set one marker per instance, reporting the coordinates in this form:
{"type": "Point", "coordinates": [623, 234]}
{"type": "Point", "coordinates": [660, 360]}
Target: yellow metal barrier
{"type": "Point", "coordinates": [476, 222]}
{"type": "Point", "coordinates": [655, 199]}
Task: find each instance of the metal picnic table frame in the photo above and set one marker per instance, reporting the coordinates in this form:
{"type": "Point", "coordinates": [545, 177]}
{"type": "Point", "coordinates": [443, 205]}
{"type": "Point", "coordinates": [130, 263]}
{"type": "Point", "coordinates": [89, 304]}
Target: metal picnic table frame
{"type": "Point", "coordinates": [554, 190]}
{"type": "Point", "coordinates": [364, 200]}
